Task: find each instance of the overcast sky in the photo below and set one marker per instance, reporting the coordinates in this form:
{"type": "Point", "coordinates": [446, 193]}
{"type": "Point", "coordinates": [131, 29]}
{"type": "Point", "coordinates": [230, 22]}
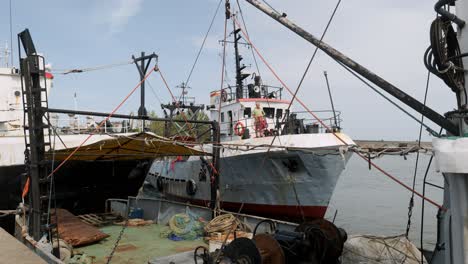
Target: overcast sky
{"type": "Point", "coordinates": [388, 37]}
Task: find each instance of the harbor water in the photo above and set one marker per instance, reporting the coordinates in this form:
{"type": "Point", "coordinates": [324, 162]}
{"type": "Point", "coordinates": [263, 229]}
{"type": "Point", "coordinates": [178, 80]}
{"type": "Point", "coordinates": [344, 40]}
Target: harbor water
{"type": "Point", "coordinates": [368, 202]}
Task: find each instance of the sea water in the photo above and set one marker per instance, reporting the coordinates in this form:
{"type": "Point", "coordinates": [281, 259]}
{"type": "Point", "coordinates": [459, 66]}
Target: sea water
{"type": "Point", "coordinates": [368, 202]}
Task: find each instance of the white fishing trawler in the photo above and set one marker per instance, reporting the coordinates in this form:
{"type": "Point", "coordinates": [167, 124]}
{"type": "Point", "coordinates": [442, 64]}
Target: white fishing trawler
{"type": "Point", "coordinates": [287, 170]}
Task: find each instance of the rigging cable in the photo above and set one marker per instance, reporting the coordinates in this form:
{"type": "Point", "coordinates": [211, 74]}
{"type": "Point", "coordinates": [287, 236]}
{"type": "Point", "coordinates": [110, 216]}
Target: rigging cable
{"type": "Point", "coordinates": [411, 201]}
{"type": "Point", "coordinates": [430, 130]}
{"type": "Point", "coordinates": [203, 43]}
{"type": "Point", "coordinates": [94, 68]}
{"type": "Point", "coordinates": [247, 32]}
{"type": "Point", "coordinates": [339, 138]}
{"type": "Point", "coordinates": [309, 64]}
{"type": "Point", "coordinates": [174, 100]}
{"type": "Point", "coordinates": [102, 123]}
{"type": "Point", "coordinates": [53, 196]}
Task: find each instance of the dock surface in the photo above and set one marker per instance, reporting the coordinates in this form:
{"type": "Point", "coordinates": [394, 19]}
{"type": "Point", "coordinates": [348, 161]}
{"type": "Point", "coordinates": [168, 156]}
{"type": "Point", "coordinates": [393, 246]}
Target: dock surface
{"type": "Point", "coordinates": [13, 251]}
{"type": "Point", "coordinates": [382, 144]}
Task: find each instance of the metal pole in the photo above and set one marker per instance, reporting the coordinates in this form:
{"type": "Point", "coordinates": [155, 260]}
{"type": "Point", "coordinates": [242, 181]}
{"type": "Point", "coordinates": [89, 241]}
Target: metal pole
{"type": "Point", "coordinates": [90, 113]}
{"type": "Point", "coordinates": [216, 160]}
{"type": "Point", "coordinates": [452, 237]}
{"type": "Point", "coordinates": [142, 111]}
{"type": "Point", "coordinates": [331, 100]}
{"type": "Point", "coordinates": [142, 68]}
{"type": "Point", "coordinates": [374, 78]}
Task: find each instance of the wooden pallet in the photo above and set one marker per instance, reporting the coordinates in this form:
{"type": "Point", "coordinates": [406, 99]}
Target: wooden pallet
{"type": "Point", "coordinates": [99, 219]}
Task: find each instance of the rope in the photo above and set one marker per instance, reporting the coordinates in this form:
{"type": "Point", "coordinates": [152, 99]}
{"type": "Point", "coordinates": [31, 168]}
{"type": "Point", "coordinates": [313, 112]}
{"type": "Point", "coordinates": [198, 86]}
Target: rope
{"type": "Point", "coordinates": [223, 223]}
{"type": "Point", "coordinates": [327, 127]}
{"type": "Point", "coordinates": [4, 213]}
{"type": "Point", "coordinates": [175, 101]}
{"type": "Point", "coordinates": [101, 124]}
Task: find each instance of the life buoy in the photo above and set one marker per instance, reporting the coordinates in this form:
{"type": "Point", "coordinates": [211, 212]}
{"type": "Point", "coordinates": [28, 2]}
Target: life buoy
{"type": "Point", "coordinates": [224, 95]}
{"type": "Point", "coordinates": [239, 129]}
{"type": "Point", "coordinates": [191, 187]}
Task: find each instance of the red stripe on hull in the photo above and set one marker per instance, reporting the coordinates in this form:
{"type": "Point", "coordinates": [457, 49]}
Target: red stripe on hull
{"type": "Point", "coordinates": [281, 212]}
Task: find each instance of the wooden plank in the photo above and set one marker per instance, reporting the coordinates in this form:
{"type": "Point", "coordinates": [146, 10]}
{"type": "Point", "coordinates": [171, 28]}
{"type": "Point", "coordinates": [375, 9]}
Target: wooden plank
{"type": "Point", "coordinates": [13, 251]}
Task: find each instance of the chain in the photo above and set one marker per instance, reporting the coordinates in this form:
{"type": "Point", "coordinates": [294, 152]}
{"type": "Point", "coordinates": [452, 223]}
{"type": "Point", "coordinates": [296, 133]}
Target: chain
{"type": "Point", "coordinates": [410, 213]}
{"type": "Point", "coordinates": [117, 241]}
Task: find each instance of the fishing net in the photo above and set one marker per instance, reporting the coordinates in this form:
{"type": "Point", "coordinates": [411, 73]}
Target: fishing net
{"type": "Point", "coordinates": [185, 226]}
{"type": "Point", "coordinates": [380, 250]}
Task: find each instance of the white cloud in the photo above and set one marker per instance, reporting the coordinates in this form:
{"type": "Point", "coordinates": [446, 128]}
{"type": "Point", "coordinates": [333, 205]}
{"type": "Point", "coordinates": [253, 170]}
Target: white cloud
{"type": "Point", "coordinates": [122, 12]}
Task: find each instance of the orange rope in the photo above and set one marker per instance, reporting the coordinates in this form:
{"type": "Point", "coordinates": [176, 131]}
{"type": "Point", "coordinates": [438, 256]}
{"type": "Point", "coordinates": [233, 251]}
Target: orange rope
{"type": "Point", "coordinates": [25, 189]}
{"type": "Point", "coordinates": [177, 105]}
{"type": "Point", "coordinates": [175, 101]}
{"type": "Point", "coordinates": [246, 37]}
{"type": "Point", "coordinates": [102, 122]}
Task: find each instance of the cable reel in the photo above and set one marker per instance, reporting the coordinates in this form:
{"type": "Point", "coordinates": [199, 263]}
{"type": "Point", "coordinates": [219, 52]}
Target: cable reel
{"type": "Point", "coordinates": [443, 57]}
{"type": "Point", "coordinates": [239, 251]}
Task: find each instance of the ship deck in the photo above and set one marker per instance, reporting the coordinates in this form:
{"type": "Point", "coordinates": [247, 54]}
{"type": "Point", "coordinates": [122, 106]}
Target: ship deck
{"type": "Point", "coordinates": [139, 244]}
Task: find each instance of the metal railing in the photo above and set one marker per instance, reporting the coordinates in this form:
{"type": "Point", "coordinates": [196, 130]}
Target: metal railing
{"type": "Point", "coordinates": [301, 118]}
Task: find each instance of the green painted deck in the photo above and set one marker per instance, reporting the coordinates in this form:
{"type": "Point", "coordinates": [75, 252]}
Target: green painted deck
{"type": "Point", "coordinates": [138, 245]}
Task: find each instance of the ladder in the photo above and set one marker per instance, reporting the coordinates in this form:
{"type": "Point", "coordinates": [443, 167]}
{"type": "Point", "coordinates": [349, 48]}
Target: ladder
{"type": "Point", "coordinates": [37, 135]}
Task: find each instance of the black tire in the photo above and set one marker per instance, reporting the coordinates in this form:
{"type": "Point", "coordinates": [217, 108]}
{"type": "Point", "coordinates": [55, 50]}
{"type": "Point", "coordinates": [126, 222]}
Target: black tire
{"type": "Point", "coordinates": [191, 187]}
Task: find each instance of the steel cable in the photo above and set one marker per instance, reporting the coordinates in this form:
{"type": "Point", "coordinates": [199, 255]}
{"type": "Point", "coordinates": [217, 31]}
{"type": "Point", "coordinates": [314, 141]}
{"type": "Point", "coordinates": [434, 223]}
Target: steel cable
{"type": "Point", "coordinates": [411, 202]}
{"type": "Point", "coordinates": [203, 43]}
{"type": "Point", "coordinates": [308, 65]}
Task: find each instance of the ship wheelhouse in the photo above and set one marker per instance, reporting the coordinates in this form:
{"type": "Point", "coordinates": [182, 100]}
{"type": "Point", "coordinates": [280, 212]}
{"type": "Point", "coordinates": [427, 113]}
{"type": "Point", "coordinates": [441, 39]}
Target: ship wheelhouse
{"type": "Point", "coordinates": [237, 121]}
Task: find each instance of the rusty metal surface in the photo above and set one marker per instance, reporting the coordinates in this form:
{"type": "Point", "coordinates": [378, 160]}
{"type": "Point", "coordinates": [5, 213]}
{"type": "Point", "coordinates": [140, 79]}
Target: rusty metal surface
{"type": "Point", "coordinates": [75, 231]}
{"type": "Point", "coordinates": [269, 249]}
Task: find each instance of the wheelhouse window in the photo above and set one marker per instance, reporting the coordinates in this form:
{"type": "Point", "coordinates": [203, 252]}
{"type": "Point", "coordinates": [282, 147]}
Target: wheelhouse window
{"type": "Point", "coordinates": [279, 113]}
{"type": "Point", "coordinates": [269, 112]}
{"type": "Point", "coordinates": [247, 112]}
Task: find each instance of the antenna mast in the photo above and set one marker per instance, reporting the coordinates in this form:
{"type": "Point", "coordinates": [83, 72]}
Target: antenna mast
{"type": "Point", "coordinates": [144, 62]}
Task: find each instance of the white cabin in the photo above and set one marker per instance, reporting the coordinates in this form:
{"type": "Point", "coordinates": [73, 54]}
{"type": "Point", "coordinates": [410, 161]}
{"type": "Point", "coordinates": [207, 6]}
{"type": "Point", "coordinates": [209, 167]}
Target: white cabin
{"type": "Point", "coordinates": [240, 112]}
{"type": "Point", "coordinates": [11, 103]}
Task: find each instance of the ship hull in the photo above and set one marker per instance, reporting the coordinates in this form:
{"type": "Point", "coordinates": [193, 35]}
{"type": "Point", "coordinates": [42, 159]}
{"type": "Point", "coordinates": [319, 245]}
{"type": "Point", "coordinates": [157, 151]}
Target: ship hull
{"type": "Point", "coordinates": [283, 184]}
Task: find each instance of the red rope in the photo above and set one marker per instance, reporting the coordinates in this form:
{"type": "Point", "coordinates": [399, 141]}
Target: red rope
{"type": "Point", "coordinates": [183, 116]}
{"type": "Point", "coordinates": [174, 100]}
{"type": "Point", "coordinates": [246, 37]}
{"type": "Point", "coordinates": [102, 122]}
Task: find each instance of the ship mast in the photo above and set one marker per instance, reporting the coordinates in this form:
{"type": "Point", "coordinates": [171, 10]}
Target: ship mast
{"type": "Point", "coordinates": [239, 75]}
